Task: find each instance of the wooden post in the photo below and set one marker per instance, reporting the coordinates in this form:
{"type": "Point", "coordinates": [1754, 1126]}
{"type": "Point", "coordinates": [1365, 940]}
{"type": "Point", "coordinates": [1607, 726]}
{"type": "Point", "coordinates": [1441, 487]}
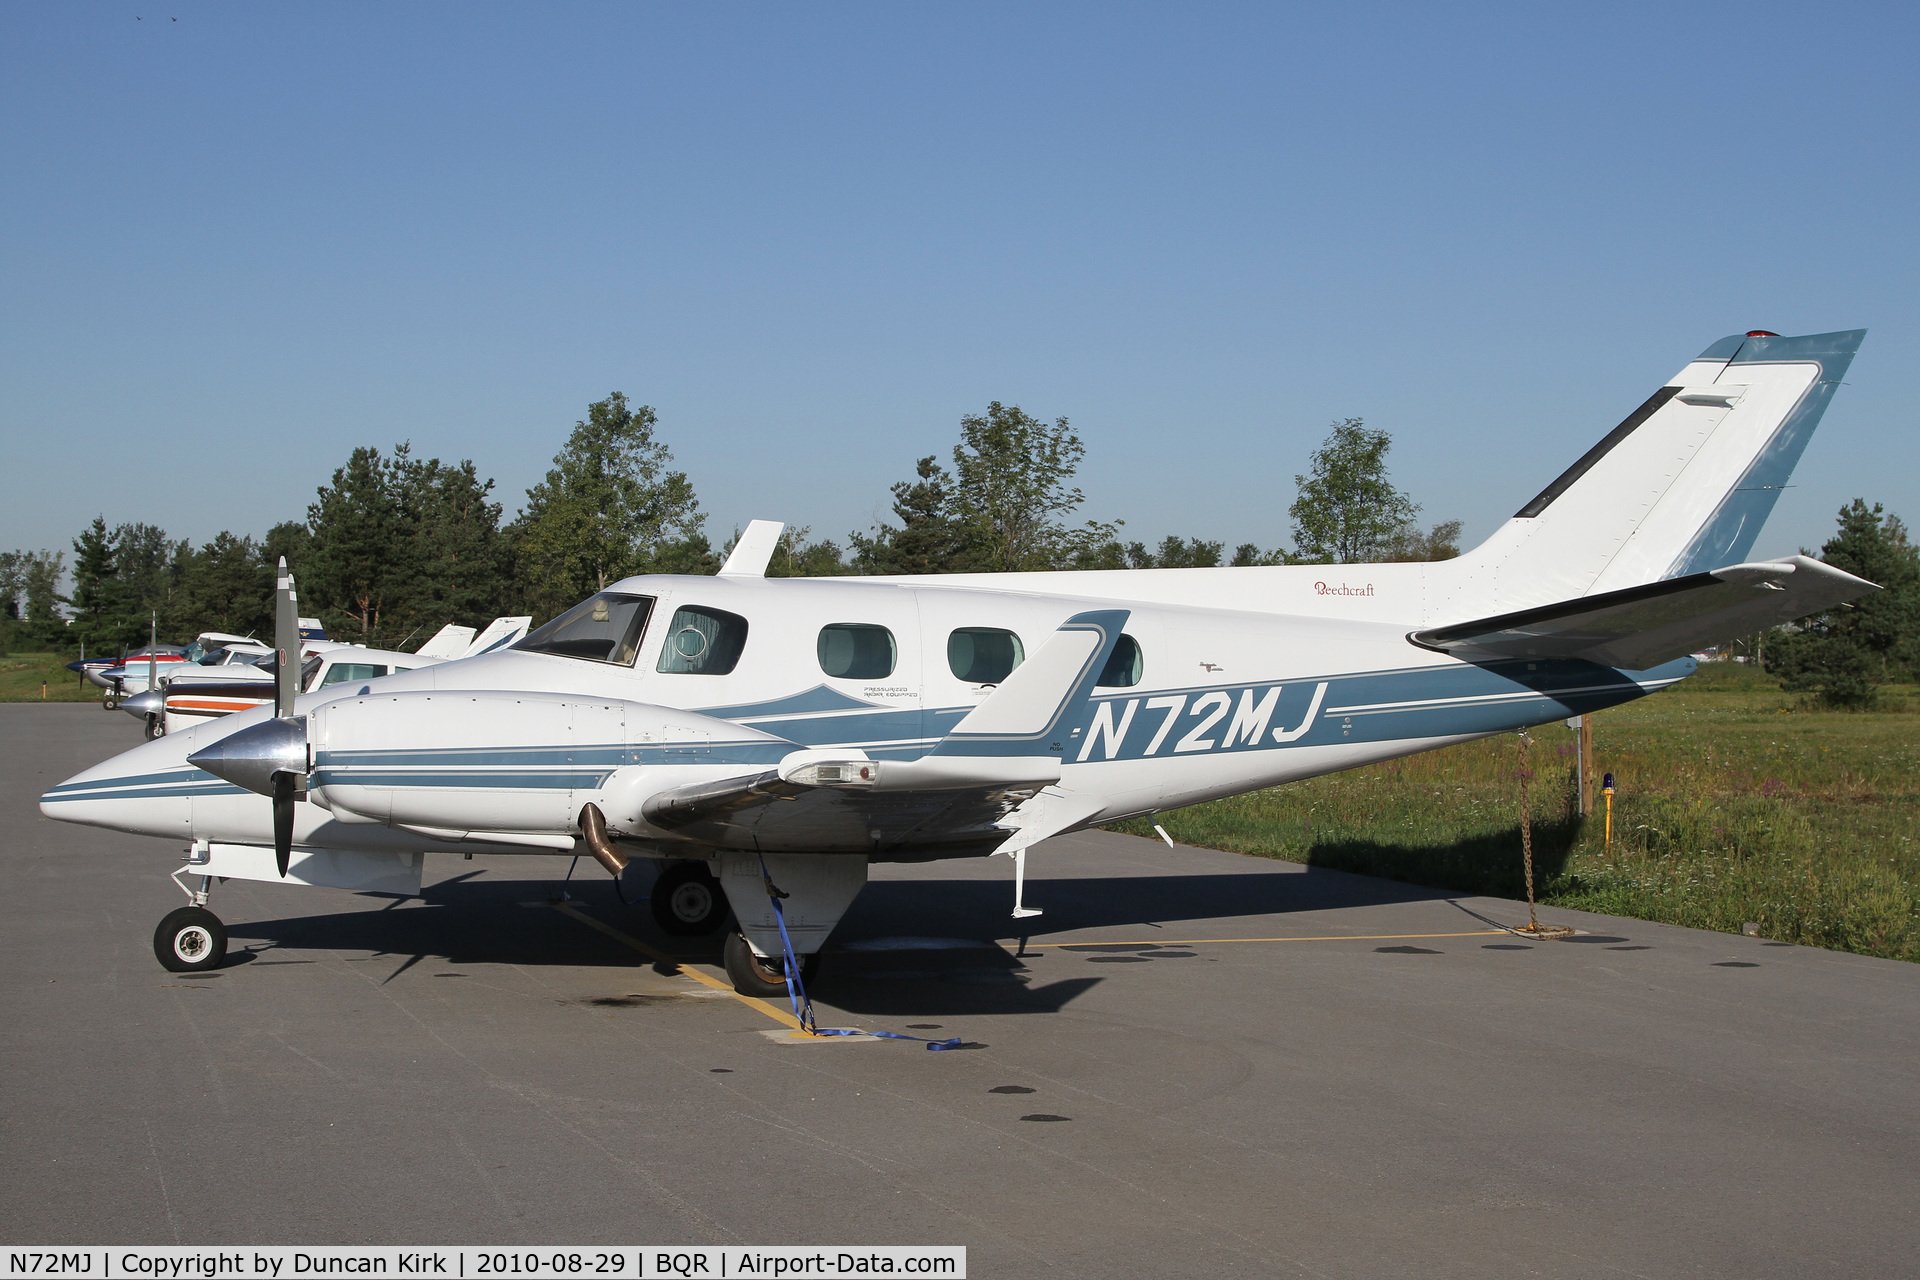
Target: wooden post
{"type": "Point", "coordinates": [1586, 766]}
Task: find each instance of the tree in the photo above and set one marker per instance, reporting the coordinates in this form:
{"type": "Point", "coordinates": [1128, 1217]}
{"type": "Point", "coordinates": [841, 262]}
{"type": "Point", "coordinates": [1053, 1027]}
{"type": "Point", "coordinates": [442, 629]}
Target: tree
{"type": "Point", "coordinates": [99, 597]}
{"type": "Point", "coordinates": [609, 508]}
{"type": "Point", "coordinates": [227, 585]}
{"type": "Point", "coordinates": [929, 539]}
{"type": "Point", "coordinates": [1844, 655]}
{"type": "Point", "coordinates": [1348, 511]}
{"type": "Point", "coordinates": [1442, 542]}
{"type": "Point", "coordinates": [40, 573]}
{"type": "Point", "coordinates": [456, 571]}
{"type": "Point", "coordinates": [397, 545]}
{"type": "Point", "coordinates": [13, 582]}
{"type": "Point", "coordinates": [359, 563]}
{"type": "Point", "coordinates": [1011, 490]}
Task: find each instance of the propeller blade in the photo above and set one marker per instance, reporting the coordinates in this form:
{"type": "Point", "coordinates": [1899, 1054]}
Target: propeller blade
{"type": "Point", "coordinates": [282, 821]}
{"type": "Point", "coordinates": [286, 640]}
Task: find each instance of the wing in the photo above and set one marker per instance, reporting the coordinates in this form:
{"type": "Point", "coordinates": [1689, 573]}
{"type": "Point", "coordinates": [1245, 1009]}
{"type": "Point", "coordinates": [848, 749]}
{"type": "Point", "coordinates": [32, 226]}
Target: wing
{"type": "Point", "coordinates": [1642, 627]}
{"type": "Point", "coordinates": [954, 798]}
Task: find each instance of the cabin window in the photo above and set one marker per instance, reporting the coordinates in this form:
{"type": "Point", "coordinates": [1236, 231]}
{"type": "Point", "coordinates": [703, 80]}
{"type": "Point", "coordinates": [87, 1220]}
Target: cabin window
{"type": "Point", "coordinates": [1124, 665]}
{"type": "Point", "coordinates": [984, 655]}
{"type": "Point", "coordinates": [605, 628]}
{"type": "Point", "coordinates": [857, 651]}
{"type": "Point", "coordinates": [340, 671]}
{"type": "Point", "coordinates": [703, 642]}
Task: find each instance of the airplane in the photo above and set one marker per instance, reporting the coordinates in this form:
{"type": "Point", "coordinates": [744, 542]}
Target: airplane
{"type": "Point", "coordinates": [189, 699]}
{"type": "Point", "coordinates": [143, 669]}
{"type": "Point", "coordinates": [764, 741]}
{"type": "Point", "coordinates": [230, 678]}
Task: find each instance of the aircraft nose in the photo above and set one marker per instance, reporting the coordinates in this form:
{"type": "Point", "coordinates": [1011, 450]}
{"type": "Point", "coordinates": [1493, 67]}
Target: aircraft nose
{"type": "Point", "coordinates": [252, 756]}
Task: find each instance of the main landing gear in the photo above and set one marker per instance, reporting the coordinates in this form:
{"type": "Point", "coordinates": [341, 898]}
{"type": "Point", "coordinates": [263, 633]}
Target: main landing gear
{"type": "Point", "coordinates": [687, 901]}
{"type": "Point", "coordinates": [763, 976]}
{"type": "Point", "coordinates": [191, 939]}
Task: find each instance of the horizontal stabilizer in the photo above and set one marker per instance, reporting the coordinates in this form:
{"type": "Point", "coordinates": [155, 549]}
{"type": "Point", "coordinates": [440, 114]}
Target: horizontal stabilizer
{"type": "Point", "coordinates": [1023, 715]}
{"type": "Point", "coordinates": [500, 633]}
{"type": "Point", "coordinates": [1642, 627]}
{"type": "Point", "coordinates": [450, 641]}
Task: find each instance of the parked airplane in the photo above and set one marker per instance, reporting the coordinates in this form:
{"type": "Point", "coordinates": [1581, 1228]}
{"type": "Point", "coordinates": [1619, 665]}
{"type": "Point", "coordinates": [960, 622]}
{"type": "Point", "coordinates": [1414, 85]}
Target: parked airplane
{"type": "Point", "coordinates": [195, 694]}
{"type": "Point", "coordinates": [144, 669]}
{"type": "Point", "coordinates": [790, 732]}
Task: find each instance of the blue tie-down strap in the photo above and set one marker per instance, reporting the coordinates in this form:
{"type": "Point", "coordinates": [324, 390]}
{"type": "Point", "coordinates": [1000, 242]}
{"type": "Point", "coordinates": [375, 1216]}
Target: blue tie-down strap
{"type": "Point", "coordinates": [955, 1043]}
{"type": "Point", "coordinates": [797, 991]}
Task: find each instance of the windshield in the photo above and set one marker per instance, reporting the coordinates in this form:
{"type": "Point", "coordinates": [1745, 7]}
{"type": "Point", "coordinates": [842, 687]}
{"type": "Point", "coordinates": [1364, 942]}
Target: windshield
{"type": "Point", "coordinates": [605, 628]}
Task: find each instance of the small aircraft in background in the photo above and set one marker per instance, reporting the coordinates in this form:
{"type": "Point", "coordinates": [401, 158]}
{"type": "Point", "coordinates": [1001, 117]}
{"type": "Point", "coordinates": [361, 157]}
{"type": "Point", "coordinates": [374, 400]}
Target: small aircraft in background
{"type": "Point", "coordinates": [764, 741]}
{"type": "Point", "coordinates": [192, 695]}
{"type": "Point", "coordinates": [145, 668]}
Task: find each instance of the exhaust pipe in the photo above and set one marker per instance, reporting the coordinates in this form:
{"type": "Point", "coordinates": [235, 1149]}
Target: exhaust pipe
{"type": "Point", "coordinates": [593, 829]}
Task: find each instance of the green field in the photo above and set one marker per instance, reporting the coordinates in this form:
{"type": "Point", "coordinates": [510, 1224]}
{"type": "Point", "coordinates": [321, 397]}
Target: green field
{"type": "Point", "coordinates": [1736, 802]}
{"type": "Point", "coordinates": [21, 674]}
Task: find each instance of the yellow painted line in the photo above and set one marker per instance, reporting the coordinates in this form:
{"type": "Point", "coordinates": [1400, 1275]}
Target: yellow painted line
{"type": "Point", "coordinates": [752, 1002]}
{"type": "Point", "coordinates": [1337, 937]}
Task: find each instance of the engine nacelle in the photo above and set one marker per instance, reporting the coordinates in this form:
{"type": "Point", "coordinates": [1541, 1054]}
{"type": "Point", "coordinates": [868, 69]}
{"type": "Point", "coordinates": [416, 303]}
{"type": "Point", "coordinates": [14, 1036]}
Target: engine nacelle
{"type": "Point", "coordinates": [447, 762]}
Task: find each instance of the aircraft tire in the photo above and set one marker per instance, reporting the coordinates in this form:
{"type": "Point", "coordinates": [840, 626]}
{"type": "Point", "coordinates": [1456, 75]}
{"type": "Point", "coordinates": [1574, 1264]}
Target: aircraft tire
{"type": "Point", "coordinates": [687, 901]}
{"type": "Point", "coordinates": [190, 940]}
{"type": "Point", "coordinates": [766, 979]}
{"type": "Point", "coordinates": [155, 729]}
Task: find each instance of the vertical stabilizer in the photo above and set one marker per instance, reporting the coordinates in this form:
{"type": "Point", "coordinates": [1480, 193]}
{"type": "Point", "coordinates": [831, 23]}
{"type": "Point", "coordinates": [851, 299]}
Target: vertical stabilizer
{"type": "Point", "coordinates": [1682, 485]}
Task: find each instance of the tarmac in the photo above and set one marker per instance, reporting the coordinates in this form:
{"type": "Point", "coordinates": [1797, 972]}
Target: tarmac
{"type": "Point", "coordinates": [1198, 1064]}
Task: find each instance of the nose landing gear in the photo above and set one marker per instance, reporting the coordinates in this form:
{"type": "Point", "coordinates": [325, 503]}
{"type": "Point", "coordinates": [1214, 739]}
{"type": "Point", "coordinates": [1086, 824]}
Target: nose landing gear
{"type": "Point", "coordinates": [190, 940]}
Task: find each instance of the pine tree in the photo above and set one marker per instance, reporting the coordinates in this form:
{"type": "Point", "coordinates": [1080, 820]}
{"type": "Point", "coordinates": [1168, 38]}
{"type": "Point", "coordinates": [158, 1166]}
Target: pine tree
{"type": "Point", "coordinates": [1846, 654]}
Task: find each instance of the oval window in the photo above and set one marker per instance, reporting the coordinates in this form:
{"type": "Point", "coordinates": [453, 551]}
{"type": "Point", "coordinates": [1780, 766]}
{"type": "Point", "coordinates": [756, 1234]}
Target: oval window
{"type": "Point", "coordinates": [1124, 665]}
{"type": "Point", "coordinates": [984, 655]}
{"type": "Point", "coordinates": [702, 642]}
{"type": "Point", "coordinates": [856, 651]}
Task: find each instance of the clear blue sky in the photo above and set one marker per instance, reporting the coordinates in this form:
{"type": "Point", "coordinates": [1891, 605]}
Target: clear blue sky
{"type": "Point", "coordinates": [237, 240]}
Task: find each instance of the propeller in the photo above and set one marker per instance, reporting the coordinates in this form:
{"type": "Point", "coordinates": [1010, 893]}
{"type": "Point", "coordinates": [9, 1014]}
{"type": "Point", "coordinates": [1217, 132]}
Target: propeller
{"type": "Point", "coordinates": [270, 758]}
{"type": "Point", "coordinates": [282, 820]}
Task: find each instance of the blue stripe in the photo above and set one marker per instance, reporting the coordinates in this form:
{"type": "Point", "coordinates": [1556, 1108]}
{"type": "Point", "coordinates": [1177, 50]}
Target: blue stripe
{"type": "Point", "coordinates": [480, 779]}
{"type": "Point", "coordinates": [144, 793]}
{"type": "Point", "coordinates": [171, 775]}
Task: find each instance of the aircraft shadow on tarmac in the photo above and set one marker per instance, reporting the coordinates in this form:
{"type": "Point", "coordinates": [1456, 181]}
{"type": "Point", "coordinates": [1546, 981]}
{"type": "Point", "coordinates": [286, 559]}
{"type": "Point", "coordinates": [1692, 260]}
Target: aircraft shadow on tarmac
{"type": "Point", "coordinates": [907, 947]}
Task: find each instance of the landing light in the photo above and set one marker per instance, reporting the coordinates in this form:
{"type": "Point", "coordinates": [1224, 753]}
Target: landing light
{"type": "Point", "coordinates": [835, 773]}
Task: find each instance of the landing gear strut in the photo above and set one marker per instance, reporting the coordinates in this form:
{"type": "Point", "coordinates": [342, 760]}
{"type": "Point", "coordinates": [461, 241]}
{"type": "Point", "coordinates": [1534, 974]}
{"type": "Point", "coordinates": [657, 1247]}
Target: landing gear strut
{"type": "Point", "coordinates": [763, 976]}
{"type": "Point", "coordinates": [687, 900]}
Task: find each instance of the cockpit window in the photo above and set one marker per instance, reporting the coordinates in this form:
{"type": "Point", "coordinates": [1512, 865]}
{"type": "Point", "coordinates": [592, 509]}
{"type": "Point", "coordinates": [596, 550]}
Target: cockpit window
{"type": "Point", "coordinates": [605, 628]}
{"type": "Point", "coordinates": [856, 651]}
{"type": "Point", "coordinates": [1123, 667]}
{"type": "Point", "coordinates": [702, 642]}
{"type": "Point", "coordinates": [984, 655]}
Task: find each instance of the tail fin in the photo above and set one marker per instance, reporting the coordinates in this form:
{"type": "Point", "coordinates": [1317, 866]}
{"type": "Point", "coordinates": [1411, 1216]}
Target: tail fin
{"type": "Point", "coordinates": [1681, 486]}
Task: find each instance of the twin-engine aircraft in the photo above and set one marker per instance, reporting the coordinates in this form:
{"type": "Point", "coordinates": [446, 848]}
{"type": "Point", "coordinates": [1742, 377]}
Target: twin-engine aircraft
{"type": "Point", "coordinates": [755, 735]}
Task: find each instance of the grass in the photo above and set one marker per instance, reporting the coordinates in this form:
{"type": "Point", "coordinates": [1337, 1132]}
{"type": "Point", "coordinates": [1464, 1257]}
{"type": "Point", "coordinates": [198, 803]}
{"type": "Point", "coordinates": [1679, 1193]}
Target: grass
{"type": "Point", "coordinates": [21, 674]}
{"type": "Point", "coordinates": [1734, 802]}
